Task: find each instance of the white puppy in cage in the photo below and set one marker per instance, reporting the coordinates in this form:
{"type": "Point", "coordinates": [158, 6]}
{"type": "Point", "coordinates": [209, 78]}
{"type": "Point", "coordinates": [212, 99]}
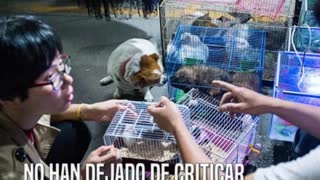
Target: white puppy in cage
{"type": "Point", "coordinates": [135, 66]}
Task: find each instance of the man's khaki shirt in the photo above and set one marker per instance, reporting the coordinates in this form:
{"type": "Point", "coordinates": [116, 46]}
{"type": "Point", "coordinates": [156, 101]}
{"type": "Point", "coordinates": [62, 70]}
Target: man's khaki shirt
{"type": "Point", "coordinates": [14, 143]}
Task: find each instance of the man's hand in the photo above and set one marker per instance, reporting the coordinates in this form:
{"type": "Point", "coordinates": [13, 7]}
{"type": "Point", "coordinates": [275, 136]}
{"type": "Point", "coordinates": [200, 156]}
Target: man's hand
{"type": "Point", "coordinates": [166, 115]}
{"type": "Point", "coordinates": [104, 111]}
{"type": "Point", "coordinates": [105, 155]}
{"type": "Point", "coordinates": [242, 100]}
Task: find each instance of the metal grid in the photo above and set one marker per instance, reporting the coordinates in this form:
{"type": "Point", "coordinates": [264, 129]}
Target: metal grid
{"type": "Point", "coordinates": [223, 47]}
{"type": "Point", "coordinates": [223, 139]}
{"type": "Point", "coordinates": [137, 137]}
{"type": "Point", "coordinates": [200, 55]}
{"type": "Point", "coordinates": [262, 7]}
{"type": "Point", "coordinates": [174, 13]}
{"type": "Point", "coordinates": [212, 1]}
{"type": "Point", "coordinates": [307, 39]}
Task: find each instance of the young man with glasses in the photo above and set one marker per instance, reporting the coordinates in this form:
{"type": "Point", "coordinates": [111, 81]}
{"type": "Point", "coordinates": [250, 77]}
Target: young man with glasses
{"type": "Point", "coordinates": [36, 83]}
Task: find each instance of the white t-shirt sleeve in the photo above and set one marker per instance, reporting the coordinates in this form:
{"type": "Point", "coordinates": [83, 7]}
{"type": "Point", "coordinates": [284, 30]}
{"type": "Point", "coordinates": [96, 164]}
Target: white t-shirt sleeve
{"type": "Point", "coordinates": [304, 168]}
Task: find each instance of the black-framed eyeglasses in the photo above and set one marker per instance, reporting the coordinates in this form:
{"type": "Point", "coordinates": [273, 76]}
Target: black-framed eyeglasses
{"type": "Point", "coordinates": [57, 79]}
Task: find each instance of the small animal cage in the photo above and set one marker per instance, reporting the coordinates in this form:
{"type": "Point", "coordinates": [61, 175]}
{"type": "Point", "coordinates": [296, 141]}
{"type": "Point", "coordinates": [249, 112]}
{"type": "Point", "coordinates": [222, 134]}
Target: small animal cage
{"type": "Point", "coordinates": [229, 14]}
{"type": "Point", "coordinates": [307, 39]}
{"type": "Point", "coordinates": [201, 54]}
{"type": "Point", "coordinates": [297, 80]}
{"type": "Point", "coordinates": [262, 7]}
{"type": "Point", "coordinates": [211, 1]}
{"type": "Point", "coordinates": [222, 139]}
{"type": "Point", "coordinates": [138, 137]}
{"type": "Point", "coordinates": [307, 15]}
{"type": "Point", "coordinates": [309, 18]}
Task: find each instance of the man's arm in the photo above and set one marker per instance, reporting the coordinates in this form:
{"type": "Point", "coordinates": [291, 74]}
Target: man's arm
{"type": "Point", "coordinates": [100, 111]}
{"type": "Point", "coordinates": [74, 112]}
{"type": "Point", "coordinates": [304, 116]}
{"type": "Point", "coordinates": [305, 167]}
{"type": "Point", "coordinates": [189, 149]}
{"type": "Point", "coordinates": [243, 100]}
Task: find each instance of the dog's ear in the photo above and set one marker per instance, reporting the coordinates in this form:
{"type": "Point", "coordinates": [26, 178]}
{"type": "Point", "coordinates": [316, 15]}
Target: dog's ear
{"type": "Point", "coordinates": [154, 56]}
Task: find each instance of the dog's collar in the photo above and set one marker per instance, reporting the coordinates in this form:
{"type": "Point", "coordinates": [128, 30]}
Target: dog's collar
{"type": "Point", "coordinates": [123, 67]}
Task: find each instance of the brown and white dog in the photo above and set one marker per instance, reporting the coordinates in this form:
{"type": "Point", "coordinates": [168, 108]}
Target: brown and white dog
{"type": "Point", "coordinates": [135, 66]}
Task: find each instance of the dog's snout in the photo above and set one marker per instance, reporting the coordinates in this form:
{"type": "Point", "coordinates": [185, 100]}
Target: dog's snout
{"type": "Point", "coordinates": [163, 79]}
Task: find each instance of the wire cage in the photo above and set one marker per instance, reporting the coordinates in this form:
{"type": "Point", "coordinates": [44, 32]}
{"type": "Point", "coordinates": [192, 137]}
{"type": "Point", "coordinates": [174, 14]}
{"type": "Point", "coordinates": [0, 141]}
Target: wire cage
{"type": "Point", "coordinates": [229, 15]}
{"type": "Point", "coordinates": [201, 54]}
{"type": "Point", "coordinates": [233, 2]}
{"type": "Point", "coordinates": [307, 16]}
{"type": "Point", "coordinates": [297, 80]}
{"type": "Point", "coordinates": [138, 137]}
{"type": "Point", "coordinates": [307, 39]}
{"type": "Point", "coordinates": [262, 7]}
{"type": "Point", "coordinates": [223, 140]}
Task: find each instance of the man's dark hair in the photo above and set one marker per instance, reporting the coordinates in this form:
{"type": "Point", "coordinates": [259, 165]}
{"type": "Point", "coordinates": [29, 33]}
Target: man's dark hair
{"type": "Point", "coordinates": [27, 48]}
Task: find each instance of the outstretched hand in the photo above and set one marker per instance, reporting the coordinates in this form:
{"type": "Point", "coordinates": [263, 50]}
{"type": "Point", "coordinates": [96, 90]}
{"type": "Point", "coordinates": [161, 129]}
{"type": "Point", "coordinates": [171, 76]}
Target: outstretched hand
{"type": "Point", "coordinates": [104, 111]}
{"type": "Point", "coordinates": [105, 155]}
{"type": "Point", "coordinates": [241, 100]}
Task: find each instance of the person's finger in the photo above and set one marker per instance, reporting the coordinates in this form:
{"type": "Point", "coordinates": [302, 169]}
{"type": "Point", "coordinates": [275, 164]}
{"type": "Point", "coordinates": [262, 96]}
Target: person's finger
{"type": "Point", "coordinates": [224, 85]}
{"type": "Point", "coordinates": [227, 97]}
{"type": "Point", "coordinates": [118, 157]}
{"type": "Point", "coordinates": [122, 107]}
{"type": "Point", "coordinates": [125, 103]}
{"type": "Point", "coordinates": [132, 113]}
{"type": "Point", "coordinates": [164, 100]}
{"type": "Point", "coordinates": [153, 109]}
{"type": "Point", "coordinates": [101, 150]}
{"type": "Point", "coordinates": [131, 106]}
{"type": "Point", "coordinates": [231, 107]}
{"type": "Point", "coordinates": [112, 156]}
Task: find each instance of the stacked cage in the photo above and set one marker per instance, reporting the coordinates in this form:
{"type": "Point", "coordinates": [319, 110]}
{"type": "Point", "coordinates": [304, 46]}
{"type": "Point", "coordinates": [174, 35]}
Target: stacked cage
{"type": "Point", "coordinates": [297, 80]}
{"type": "Point", "coordinates": [306, 39]}
{"type": "Point", "coordinates": [138, 137]}
{"type": "Point", "coordinates": [222, 139]}
{"type": "Point", "coordinates": [200, 54]}
{"type": "Point", "coordinates": [276, 21]}
{"type": "Point", "coordinates": [307, 14]}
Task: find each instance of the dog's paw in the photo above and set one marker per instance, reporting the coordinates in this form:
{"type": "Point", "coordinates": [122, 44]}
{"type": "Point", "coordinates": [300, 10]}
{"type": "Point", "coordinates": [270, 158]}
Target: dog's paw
{"type": "Point", "coordinates": [116, 94]}
{"type": "Point", "coordinates": [148, 97]}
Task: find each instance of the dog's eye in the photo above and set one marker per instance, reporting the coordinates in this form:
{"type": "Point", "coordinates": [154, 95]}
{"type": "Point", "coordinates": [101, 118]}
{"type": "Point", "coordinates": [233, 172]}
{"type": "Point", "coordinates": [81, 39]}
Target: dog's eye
{"type": "Point", "coordinates": [50, 76]}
